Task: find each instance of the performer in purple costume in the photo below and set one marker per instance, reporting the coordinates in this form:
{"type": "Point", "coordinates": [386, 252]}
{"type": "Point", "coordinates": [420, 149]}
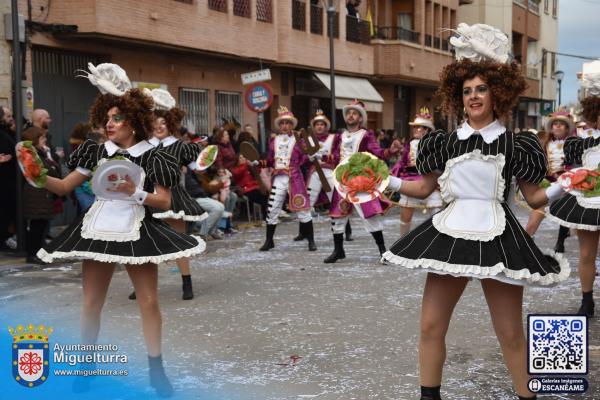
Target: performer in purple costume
{"type": "Point", "coordinates": [357, 139]}
{"type": "Point", "coordinates": [286, 157]}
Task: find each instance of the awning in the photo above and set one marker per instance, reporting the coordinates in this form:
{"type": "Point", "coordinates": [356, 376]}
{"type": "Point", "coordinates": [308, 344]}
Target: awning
{"type": "Point", "coordinates": [348, 89]}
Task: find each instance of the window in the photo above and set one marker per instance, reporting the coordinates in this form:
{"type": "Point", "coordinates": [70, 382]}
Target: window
{"type": "Point", "coordinates": [195, 104]}
{"type": "Point", "coordinates": [546, 6]}
{"type": "Point", "coordinates": [228, 106]}
{"type": "Point", "coordinates": [553, 65]}
{"type": "Point", "coordinates": [186, 1]}
{"type": "Point", "coordinates": [554, 8]}
{"type": "Point", "coordinates": [298, 15]}
{"type": "Point", "coordinates": [316, 19]}
{"type": "Point", "coordinates": [218, 5]}
{"type": "Point", "coordinates": [264, 11]}
{"type": "Point", "coordinates": [241, 8]}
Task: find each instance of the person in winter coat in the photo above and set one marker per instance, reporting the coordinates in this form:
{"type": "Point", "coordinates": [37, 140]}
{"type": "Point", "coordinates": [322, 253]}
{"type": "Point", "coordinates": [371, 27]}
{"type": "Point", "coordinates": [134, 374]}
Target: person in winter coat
{"type": "Point", "coordinates": [38, 204]}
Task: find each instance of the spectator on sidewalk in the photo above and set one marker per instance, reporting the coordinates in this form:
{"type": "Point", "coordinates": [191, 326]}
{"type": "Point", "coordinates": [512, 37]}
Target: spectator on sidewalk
{"type": "Point", "coordinates": [248, 185]}
{"type": "Point", "coordinates": [214, 208]}
{"type": "Point", "coordinates": [8, 176]}
{"type": "Point", "coordinates": [38, 204]}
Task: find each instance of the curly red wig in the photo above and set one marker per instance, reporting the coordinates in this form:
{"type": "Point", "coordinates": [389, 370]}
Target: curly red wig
{"type": "Point", "coordinates": [134, 105]}
{"type": "Point", "coordinates": [591, 110]}
{"type": "Point", "coordinates": [173, 118]}
{"type": "Point", "coordinates": [506, 83]}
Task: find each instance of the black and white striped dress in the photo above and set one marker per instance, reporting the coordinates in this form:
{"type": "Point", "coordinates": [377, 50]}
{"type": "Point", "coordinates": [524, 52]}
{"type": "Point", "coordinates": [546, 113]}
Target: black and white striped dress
{"type": "Point", "coordinates": [510, 256]}
{"type": "Point", "coordinates": [571, 211]}
{"type": "Point", "coordinates": [157, 242]}
{"type": "Point", "coordinates": [182, 205]}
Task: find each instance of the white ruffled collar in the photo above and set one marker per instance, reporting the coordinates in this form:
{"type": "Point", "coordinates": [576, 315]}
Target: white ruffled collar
{"type": "Point", "coordinates": [488, 133]}
{"type": "Point", "coordinates": [595, 133]}
{"type": "Point", "coordinates": [166, 142]}
{"type": "Point", "coordinates": [136, 150]}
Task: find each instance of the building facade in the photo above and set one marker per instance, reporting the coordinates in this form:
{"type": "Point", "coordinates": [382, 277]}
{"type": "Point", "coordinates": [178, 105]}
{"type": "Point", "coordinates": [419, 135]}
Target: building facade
{"type": "Point", "coordinates": [387, 53]}
{"type": "Point", "coordinates": [532, 26]}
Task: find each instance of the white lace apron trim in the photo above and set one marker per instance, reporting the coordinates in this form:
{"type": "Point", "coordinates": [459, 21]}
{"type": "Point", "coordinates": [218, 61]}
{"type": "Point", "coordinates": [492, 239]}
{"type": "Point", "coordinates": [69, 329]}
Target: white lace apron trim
{"type": "Point", "coordinates": [498, 271]}
{"type": "Point", "coordinates": [472, 185]}
{"type": "Point", "coordinates": [112, 258]}
{"type": "Point", "coordinates": [114, 220]}
{"type": "Point", "coordinates": [180, 215]}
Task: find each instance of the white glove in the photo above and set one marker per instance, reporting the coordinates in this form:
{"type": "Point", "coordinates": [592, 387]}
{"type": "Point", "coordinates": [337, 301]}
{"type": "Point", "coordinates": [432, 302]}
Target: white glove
{"type": "Point", "coordinates": [316, 156]}
{"type": "Point", "coordinates": [395, 183]}
{"type": "Point", "coordinates": [139, 196]}
{"type": "Point", "coordinates": [554, 191]}
{"type": "Point", "coordinates": [254, 163]}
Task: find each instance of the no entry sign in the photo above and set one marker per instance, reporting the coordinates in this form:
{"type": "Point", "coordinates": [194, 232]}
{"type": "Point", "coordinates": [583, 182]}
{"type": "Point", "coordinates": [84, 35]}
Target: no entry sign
{"type": "Point", "coordinates": [258, 96]}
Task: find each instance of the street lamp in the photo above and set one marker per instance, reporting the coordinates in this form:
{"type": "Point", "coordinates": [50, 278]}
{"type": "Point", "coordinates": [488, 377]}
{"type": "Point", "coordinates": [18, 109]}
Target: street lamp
{"type": "Point", "coordinates": [559, 75]}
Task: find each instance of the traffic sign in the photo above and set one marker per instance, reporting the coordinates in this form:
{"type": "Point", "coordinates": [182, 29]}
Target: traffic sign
{"type": "Point", "coordinates": [258, 97]}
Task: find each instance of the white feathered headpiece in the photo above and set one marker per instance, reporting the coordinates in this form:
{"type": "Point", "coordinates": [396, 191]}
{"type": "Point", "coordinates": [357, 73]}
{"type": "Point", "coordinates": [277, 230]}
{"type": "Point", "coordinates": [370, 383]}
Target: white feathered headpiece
{"type": "Point", "coordinates": [480, 42]}
{"type": "Point", "coordinates": [108, 78]}
{"type": "Point", "coordinates": [591, 83]}
{"type": "Point", "coordinates": [162, 98]}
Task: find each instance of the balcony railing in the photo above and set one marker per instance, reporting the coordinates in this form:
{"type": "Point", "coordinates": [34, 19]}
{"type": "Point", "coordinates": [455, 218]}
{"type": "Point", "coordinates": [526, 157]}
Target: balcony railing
{"type": "Point", "coordinates": [533, 72]}
{"type": "Point", "coordinates": [357, 30]}
{"type": "Point", "coordinates": [218, 5]}
{"type": "Point", "coordinates": [428, 40]}
{"type": "Point", "coordinates": [397, 33]}
{"type": "Point", "coordinates": [534, 6]}
{"type": "Point", "coordinates": [298, 15]}
{"type": "Point", "coordinates": [316, 19]}
{"type": "Point", "coordinates": [437, 42]}
{"type": "Point", "coordinates": [445, 45]}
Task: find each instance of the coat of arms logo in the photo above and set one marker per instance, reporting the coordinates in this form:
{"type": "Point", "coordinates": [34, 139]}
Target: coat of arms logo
{"type": "Point", "coordinates": [30, 354]}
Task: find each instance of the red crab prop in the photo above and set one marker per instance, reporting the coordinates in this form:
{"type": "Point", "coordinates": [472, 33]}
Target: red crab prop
{"type": "Point", "coordinates": [361, 183]}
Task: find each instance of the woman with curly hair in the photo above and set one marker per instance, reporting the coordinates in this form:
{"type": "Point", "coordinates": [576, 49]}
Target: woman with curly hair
{"type": "Point", "coordinates": [476, 235]}
{"type": "Point", "coordinates": [120, 228]}
{"type": "Point", "coordinates": [167, 125]}
{"type": "Point", "coordinates": [583, 213]}
{"type": "Point", "coordinates": [559, 126]}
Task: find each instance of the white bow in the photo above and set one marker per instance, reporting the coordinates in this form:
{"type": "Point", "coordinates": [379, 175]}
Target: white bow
{"type": "Point", "coordinates": [108, 78]}
{"type": "Point", "coordinates": [480, 42]}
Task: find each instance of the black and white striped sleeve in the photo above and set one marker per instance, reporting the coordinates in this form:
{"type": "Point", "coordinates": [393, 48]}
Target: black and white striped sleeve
{"type": "Point", "coordinates": [84, 158]}
{"type": "Point", "coordinates": [430, 154]}
{"type": "Point", "coordinates": [163, 169]}
{"type": "Point", "coordinates": [190, 152]}
{"type": "Point", "coordinates": [573, 149]}
{"type": "Point", "coordinates": [529, 162]}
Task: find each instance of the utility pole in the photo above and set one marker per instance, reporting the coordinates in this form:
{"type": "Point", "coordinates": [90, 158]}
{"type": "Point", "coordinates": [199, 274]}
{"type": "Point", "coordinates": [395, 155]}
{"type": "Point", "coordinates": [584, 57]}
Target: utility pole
{"type": "Point", "coordinates": [330, 18]}
{"type": "Point", "coordinates": [18, 115]}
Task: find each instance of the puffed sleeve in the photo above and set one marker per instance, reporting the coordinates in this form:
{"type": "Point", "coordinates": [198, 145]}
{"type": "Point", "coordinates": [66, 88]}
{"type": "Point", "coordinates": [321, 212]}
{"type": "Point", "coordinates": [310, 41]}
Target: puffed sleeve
{"type": "Point", "coordinates": [431, 155]}
{"type": "Point", "coordinates": [190, 152]}
{"type": "Point", "coordinates": [163, 169]}
{"type": "Point", "coordinates": [529, 159]}
{"type": "Point", "coordinates": [85, 157]}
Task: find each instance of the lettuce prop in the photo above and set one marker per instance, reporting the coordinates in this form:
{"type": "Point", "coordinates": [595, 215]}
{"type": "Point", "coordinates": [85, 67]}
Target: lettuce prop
{"type": "Point", "coordinates": [358, 162]}
{"type": "Point", "coordinates": [31, 164]}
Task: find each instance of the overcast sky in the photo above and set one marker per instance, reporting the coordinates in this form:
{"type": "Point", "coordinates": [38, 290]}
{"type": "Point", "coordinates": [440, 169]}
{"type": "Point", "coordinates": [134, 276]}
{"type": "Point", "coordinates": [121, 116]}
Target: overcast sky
{"type": "Point", "coordinates": [578, 33]}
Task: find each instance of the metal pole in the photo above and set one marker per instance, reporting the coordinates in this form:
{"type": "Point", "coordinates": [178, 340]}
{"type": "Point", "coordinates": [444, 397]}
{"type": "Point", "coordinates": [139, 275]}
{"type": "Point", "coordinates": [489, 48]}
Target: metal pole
{"type": "Point", "coordinates": [559, 92]}
{"type": "Point", "coordinates": [331, 14]}
{"type": "Point", "coordinates": [18, 115]}
{"type": "Point", "coordinates": [261, 128]}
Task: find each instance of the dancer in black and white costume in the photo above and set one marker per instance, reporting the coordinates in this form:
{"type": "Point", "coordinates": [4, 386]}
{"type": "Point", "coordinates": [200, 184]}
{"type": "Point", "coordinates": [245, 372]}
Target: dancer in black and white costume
{"type": "Point", "coordinates": [183, 208]}
{"type": "Point", "coordinates": [122, 231]}
{"type": "Point", "coordinates": [477, 235]}
{"type": "Point", "coordinates": [583, 213]}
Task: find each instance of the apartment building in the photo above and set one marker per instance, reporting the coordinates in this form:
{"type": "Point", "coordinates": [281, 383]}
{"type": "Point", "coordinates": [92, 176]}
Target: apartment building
{"type": "Point", "coordinates": [532, 26]}
{"type": "Point", "coordinates": [389, 55]}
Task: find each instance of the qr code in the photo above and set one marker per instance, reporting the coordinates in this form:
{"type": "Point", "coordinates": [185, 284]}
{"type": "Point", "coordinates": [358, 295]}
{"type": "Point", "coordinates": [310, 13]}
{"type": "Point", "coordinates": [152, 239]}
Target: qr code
{"type": "Point", "coordinates": [557, 344]}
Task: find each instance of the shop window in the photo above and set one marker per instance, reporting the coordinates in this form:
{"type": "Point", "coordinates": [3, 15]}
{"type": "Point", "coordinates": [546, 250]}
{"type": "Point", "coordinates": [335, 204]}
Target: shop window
{"type": "Point", "coordinates": [195, 104]}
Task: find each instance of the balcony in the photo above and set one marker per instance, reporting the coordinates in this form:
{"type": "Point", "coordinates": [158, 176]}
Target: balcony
{"type": "Point", "coordinates": [357, 30]}
{"type": "Point", "coordinates": [396, 33]}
